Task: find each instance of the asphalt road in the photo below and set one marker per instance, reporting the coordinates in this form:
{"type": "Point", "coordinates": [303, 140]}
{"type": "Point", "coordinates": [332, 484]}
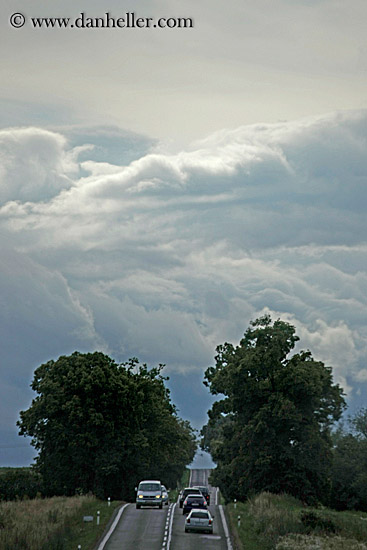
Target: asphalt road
{"type": "Point", "coordinates": [154, 529]}
{"type": "Point", "coordinates": [139, 529]}
{"type": "Point", "coordinates": [195, 541]}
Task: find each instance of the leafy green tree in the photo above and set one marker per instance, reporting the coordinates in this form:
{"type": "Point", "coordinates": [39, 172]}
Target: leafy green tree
{"type": "Point", "coordinates": [97, 424]}
{"type": "Point", "coordinates": [272, 429]}
{"type": "Point", "coordinates": [358, 423]}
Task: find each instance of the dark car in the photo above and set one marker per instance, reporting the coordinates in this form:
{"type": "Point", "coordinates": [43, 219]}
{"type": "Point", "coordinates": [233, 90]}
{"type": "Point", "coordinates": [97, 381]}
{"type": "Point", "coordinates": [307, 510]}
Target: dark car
{"type": "Point", "coordinates": [204, 491]}
{"type": "Point", "coordinates": [188, 491]}
{"type": "Point", "coordinates": [194, 502]}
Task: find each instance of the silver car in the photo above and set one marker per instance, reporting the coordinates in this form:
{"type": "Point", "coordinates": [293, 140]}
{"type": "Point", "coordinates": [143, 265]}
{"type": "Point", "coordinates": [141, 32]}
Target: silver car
{"type": "Point", "coordinates": [199, 520]}
{"type": "Point", "coordinates": [165, 497]}
{"type": "Point", "coordinates": [149, 493]}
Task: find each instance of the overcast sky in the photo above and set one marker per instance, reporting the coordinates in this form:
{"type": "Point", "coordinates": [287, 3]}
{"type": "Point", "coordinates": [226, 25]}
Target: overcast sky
{"type": "Point", "coordinates": [160, 188]}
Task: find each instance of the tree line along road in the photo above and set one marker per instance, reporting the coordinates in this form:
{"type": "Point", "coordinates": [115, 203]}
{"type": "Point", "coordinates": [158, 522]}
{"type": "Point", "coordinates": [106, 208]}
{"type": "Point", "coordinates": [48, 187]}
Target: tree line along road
{"type": "Point", "coordinates": [165, 529]}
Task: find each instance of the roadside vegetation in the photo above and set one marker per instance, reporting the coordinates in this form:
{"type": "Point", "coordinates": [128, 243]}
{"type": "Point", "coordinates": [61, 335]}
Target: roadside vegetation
{"type": "Point", "coordinates": [184, 482]}
{"type": "Point", "coordinates": [53, 523]}
{"type": "Point", "coordinates": [281, 522]}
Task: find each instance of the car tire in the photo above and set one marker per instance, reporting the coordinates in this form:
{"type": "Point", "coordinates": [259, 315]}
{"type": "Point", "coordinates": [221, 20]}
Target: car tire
{"type": "Point", "coordinates": [138, 506]}
{"type": "Point", "coordinates": [160, 506]}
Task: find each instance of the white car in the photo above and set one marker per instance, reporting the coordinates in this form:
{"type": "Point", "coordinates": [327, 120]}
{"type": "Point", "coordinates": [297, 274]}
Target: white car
{"type": "Point", "coordinates": [199, 520]}
{"type": "Point", "coordinates": [149, 493]}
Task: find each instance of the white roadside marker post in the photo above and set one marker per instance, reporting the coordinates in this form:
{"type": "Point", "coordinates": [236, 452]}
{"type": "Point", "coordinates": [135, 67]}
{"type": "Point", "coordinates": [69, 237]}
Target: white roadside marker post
{"type": "Point", "coordinates": [235, 503]}
{"type": "Point", "coordinates": [239, 521]}
{"type": "Point", "coordinates": [98, 517]}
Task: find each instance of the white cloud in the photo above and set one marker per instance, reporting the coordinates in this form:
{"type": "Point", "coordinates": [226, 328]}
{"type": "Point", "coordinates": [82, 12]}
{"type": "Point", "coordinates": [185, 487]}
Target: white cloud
{"type": "Point", "coordinates": [168, 256]}
{"type": "Point", "coordinates": [34, 166]}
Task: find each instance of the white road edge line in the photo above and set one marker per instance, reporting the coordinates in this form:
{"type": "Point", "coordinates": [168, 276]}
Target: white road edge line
{"type": "Point", "coordinates": [225, 527]}
{"type": "Point", "coordinates": [170, 526]}
{"type": "Point", "coordinates": [112, 528]}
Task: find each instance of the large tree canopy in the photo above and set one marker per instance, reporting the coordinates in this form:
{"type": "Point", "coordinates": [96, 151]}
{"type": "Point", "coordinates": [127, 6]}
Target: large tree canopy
{"type": "Point", "coordinates": [100, 426]}
{"type": "Point", "coordinates": [272, 429]}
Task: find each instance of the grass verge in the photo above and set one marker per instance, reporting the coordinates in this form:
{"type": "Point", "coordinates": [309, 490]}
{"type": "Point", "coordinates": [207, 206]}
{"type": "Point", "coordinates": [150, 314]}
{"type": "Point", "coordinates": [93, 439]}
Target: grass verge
{"type": "Point", "coordinates": [52, 524]}
{"type": "Point", "coordinates": [281, 522]}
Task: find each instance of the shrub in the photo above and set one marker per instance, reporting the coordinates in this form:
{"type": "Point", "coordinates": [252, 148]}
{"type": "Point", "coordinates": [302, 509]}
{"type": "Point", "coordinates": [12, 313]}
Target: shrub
{"type": "Point", "coordinates": [273, 517]}
{"type": "Point", "coordinates": [315, 522]}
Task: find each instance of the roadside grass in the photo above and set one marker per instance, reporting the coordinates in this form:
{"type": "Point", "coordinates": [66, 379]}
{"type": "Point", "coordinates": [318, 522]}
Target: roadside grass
{"type": "Point", "coordinates": [88, 534]}
{"type": "Point", "coordinates": [52, 524]}
{"type": "Point", "coordinates": [173, 493]}
{"type": "Point", "coordinates": [245, 534]}
{"type": "Point", "coordinates": [281, 522]}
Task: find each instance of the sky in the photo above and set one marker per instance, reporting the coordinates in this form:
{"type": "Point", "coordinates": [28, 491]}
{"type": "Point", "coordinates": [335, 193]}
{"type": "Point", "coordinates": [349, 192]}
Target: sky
{"type": "Point", "coordinates": [162, 187]}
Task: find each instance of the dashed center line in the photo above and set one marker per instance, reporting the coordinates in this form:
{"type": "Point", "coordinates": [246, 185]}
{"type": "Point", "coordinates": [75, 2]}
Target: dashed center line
{"type": "Point", "coordinates": [168, 528]}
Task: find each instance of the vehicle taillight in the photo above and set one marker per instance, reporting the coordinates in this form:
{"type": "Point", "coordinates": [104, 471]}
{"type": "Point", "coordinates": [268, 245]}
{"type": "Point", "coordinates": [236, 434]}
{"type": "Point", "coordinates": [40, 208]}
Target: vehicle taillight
{"type": "Point", "coordinates": [210, 522]}
{"type": "Point", "coordinates": [188, 520]}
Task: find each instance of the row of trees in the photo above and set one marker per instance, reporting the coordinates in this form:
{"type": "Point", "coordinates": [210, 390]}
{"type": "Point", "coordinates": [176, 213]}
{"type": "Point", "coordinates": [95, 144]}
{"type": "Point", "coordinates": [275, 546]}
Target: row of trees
{"type": "Point", "coordinates": [272, 430]}
{"type": "Point", "coordinates": [100, 426]}
{"type": "Point", "coordinates": [19, 483]}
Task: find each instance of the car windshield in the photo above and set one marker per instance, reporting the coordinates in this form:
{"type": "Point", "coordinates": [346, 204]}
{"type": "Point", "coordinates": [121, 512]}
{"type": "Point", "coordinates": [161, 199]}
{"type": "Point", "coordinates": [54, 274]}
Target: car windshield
{"type": "Point", "coordinates": [149, 487]}
{"type": "Point", "coordinates": [200, 515]}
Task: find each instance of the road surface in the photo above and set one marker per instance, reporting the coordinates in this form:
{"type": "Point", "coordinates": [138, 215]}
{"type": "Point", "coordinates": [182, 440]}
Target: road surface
{"type": "Point", "coordinates": [154, 529]}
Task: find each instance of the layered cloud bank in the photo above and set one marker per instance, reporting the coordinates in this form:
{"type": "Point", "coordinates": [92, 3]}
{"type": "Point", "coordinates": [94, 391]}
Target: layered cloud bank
{"type": "Point", "coordinates": [167, 256]}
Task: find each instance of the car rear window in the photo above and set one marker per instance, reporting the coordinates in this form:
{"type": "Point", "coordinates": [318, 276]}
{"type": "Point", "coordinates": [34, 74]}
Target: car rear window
{"type": "Point", "coordinates": [192, 491]}
{"type": "Point", "coordinates": [200, 515]}
{"type": "Point", "coordinates": [202, 489]}
{"type": "Point", "coordinates": [194, 497]}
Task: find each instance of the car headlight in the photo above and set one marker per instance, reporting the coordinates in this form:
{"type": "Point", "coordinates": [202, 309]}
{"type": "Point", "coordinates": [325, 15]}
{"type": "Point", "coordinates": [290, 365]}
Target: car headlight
{"type": "Point", "coordinates": [157, 496]}
{"type": "Point", "coordinates": [140, 496]}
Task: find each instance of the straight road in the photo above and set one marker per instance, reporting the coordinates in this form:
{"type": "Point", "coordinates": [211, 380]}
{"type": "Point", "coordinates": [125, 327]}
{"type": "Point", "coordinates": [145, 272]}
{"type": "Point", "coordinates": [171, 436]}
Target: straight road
{"type": "Point", "coordinates": [139, 529]}
{"type": "Point", "coordinates": [154, 529]}
{"type": "Point", "coordinates": [196, 541]}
